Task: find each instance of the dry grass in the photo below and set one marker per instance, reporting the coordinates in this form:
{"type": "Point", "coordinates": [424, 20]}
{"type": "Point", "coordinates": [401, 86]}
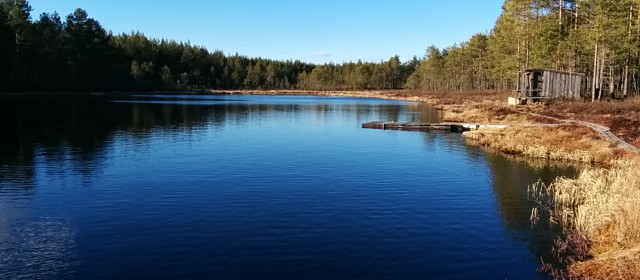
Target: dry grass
{"type": "Point", "coordinates": [598, 107]}
{"type": "Point", "coordinates": [623, 117]}
{"type": "Point", "coordinates": [451, 97]}
{"type": "Point", "coordinates": [601, 204]}
{"type": "Point", "coordinates": [566, 142]}
{"type": "Point", "coordinates": [434, 98]}
{"type": "Point", "coordinates": [490, 112]}
{"type": "Point", "coordinates": [622, 265]}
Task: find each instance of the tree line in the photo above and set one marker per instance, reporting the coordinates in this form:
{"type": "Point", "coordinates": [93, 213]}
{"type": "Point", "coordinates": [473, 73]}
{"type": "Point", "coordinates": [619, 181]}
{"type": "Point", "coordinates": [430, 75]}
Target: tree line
{"type": "Point", "coordinates": [600, 38]}
{"type": "Point", "coordinates": [390, 74]}
{"type": "Point", "coordinates": [77, 54]}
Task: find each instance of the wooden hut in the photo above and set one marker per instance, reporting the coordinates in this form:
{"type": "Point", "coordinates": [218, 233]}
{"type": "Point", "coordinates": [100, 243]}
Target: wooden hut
{"type": "Point", "coordinates": [538, 83]}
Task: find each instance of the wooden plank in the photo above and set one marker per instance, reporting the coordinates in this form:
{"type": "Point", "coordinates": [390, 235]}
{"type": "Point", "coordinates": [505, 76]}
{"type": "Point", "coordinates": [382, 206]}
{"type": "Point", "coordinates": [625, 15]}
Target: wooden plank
{"type": "Point", "coordinates": [414, 126]}
{"type": "Point", "coordinates": [446, 126]}
{"type": "Point", "coordinates": [548, 85]}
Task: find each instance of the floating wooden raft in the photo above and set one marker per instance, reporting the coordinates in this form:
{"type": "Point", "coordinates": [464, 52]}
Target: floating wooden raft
{"type": "Point", "coordinates": [452, 127]}
{"type": "Point", "coordinates": [413, 126]}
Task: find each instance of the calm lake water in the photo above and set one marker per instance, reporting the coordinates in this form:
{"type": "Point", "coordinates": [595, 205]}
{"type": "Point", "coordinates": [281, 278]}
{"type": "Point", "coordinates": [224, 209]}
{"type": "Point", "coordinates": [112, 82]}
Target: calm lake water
{"type": "Point", "coordinates": [254, 187]}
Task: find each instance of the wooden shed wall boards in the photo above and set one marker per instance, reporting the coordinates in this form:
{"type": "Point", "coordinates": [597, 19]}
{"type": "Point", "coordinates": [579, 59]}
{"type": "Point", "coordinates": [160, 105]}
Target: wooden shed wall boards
{"type": "Point", "coordinates": [546, 83]}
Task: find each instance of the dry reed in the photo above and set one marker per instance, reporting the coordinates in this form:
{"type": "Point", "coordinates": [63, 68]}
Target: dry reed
{"type": "Point", "coordinates": [565, 142]}
{"type": "Point", "coordinates": [601, 204]}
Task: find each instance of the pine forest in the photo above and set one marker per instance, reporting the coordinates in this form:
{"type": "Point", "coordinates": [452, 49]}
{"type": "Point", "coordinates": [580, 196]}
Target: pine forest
{"type": "Point", "coordinates": [600, 38]}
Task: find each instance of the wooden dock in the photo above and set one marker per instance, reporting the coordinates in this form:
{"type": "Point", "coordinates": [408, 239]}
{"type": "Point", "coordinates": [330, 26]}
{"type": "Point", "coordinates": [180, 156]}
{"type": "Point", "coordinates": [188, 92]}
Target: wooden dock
{"type": "Point", "coordinates": [451, 127]}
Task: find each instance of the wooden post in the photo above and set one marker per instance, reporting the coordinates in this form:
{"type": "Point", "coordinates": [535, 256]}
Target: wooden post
{"type": "Point", "coordinates": [518, 83]}
{"type": "Point", "coordinates": [571, 85]}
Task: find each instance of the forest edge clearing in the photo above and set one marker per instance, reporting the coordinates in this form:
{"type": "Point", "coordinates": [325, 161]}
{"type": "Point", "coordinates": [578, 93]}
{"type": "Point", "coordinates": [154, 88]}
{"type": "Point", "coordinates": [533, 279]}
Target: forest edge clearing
{"type": "Point", "coordinates": [599, 207]}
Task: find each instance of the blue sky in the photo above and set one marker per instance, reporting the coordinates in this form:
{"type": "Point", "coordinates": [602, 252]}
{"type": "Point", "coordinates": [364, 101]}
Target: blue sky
{"type": "Point", "coordinates": [316, 31]}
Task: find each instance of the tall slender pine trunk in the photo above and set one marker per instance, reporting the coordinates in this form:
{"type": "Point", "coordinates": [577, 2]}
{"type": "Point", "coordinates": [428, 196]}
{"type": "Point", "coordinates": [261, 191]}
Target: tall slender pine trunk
{"type": "Point", "coordinates": [594, 83]}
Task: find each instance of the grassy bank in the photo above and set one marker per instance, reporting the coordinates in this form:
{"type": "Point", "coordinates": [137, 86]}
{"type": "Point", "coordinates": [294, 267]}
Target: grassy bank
{"type": "Point", "coordinates": [564, 143]}
{"type": "Point", "coordinates": [602, 206]}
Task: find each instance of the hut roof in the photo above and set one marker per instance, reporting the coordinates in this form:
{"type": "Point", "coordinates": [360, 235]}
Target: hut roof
{"type": "Point", "coordinates": [552, 70]}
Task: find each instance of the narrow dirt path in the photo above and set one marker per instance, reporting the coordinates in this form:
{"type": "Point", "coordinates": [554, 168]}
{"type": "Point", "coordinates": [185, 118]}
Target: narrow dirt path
{"type": "Point", "coordinates": [603, 130]}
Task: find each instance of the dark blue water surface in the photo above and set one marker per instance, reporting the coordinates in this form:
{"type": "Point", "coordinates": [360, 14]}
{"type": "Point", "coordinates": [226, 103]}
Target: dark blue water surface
{"type": "Point", "coordinates": [254, 187]}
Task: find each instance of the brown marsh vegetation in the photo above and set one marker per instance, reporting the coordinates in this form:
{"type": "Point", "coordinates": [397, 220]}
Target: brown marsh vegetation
{"type": "Point", "coordinates": [623, 117]}
{"type": "Point", "coordinates": [599, 207]}
{"type": "Point", "coordinates": [564, 143]}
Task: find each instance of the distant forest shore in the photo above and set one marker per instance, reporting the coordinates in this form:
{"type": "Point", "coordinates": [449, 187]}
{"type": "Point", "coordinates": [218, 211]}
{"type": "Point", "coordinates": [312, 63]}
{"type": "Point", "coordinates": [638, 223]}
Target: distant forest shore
{"type": "Point", "coordinates": [600, 38]}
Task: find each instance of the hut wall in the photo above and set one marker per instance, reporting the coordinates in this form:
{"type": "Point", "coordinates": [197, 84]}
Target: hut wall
{"type": "Point", "coordinates": [547, 87]}
{"type": "Point", "coordinates": [558, 84]}
{"type": "Point", "coordinates": [549, 83]}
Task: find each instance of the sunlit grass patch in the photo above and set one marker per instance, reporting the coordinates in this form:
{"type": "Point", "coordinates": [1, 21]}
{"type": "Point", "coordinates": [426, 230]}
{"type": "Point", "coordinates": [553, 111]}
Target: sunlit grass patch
{"type": "Point", "coordinates": [566, 142]}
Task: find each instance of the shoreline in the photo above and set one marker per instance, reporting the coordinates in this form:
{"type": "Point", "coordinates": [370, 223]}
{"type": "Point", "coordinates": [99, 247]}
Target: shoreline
{"type": "Point", "coordinates": [475, 107]}
{"type": "Point", "coordinates": [609, 173]}
{"type": "Point", "coordinates": [471, 107]}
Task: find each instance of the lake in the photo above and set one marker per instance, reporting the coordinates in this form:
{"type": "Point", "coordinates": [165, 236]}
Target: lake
{"type": "Point", "coordinates": [254, 187]}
